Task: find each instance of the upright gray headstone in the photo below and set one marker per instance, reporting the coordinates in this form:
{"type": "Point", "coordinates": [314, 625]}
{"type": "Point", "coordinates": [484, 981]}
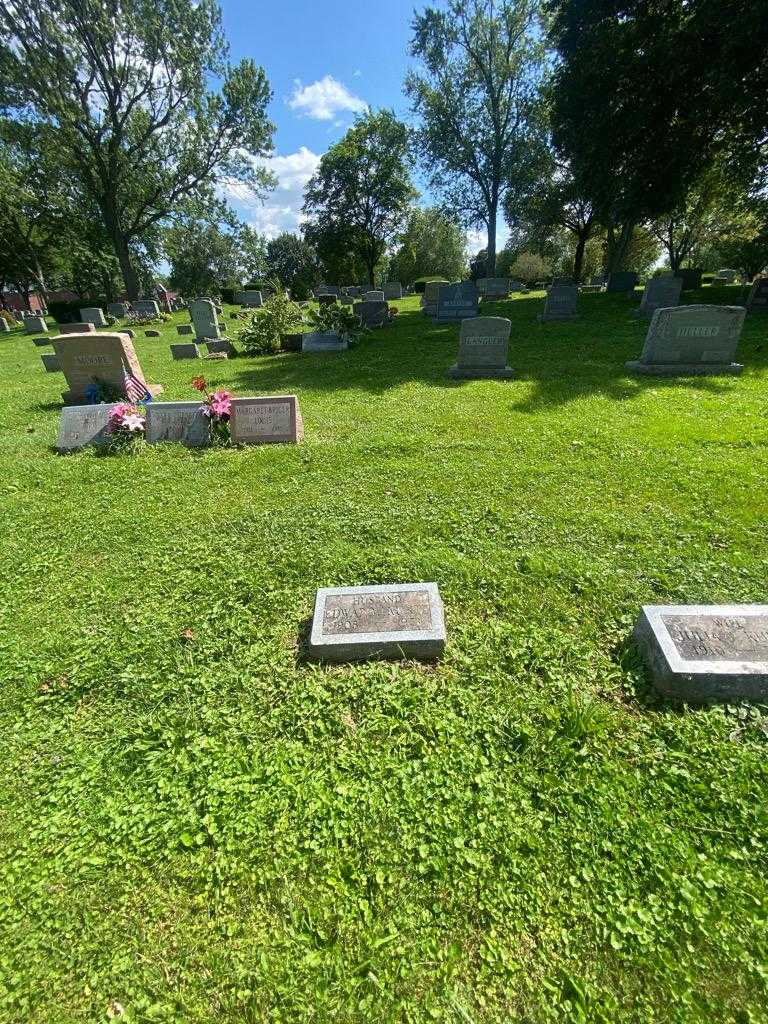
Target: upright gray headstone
{"type": "Point", "coordinates": [494, 287]}
{"type": "Point", "coordinates": [483, 348]}
{"type": "Point", "coordinates": [725, 276]}
{"type": "Point", "coordinates": [393, 290]}
{"type": "Point", "coordinates": [622, 281]}
{"type": "Point", "coordinates": [401, 620]}
{"type": "Point", "coordinates": [429, 299]}
{"type": "Point", "coordinates": [185, 350]}
{"type": "Point", "coordinates": [93, 315]}
{"type": "Point", "coordinates": [252, 298]}
{"type": "Point", "coordinates": [82, 425]}
{"type": "Point", "coordinates": [375, 295]}
{"type": "Point", "coordinates": [758, 296]}
{"type": "Point", "coordinates": [703, 653]}
{"type": "Point", "coordinates": [660, 293]}
{"type": "Point", "coordinates": [118, 309]}
{"type": "Point", "coordinates": [51, 363]}
{"type": "Point", "coordinates": [183, 422]}
{"type": "Point", "coordinates": [561, 303]}
{"type": "Point", "coordinates": [35, 325]}
{"type": "Point", "coordinates": [457, 302]}
{"type": "Point", "coordinates": [691, 341]}
{"type": "Point", "coordinates": [146, 307]}
{"type": "Point", "coordinates": [373, 313]}
{"type": "Point", "coordinates": [204, 319]}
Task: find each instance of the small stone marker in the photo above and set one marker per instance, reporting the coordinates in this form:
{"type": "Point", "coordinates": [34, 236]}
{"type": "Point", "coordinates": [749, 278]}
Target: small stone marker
{"type": "Point", "coordinates": [204, 320]}
{"type": "Point", "coordinates": [393, 290]}
{"type": "Point", "coordinates": [118, 309]}
{"type": "Point", "coordinates": [691, 341]}
{"type": "Point", "coordinates": [77, 328]}
{"type": "Point", "coordinates": [700, 653]}
{"type": "Point", "coordinates": [51, 363]}
{"type": "Point", "coordinates": [372, 313]}
{"type": "Point", "coordinates": [317, 341]}
{"type": "Point", "coordinates": [81, 425]}
{"type": "Point", "coordinates": [375, 295]}
{"type": "Point", "coordinates": [758, 296]}
{"type": "Point", "coordinates": [93, 315]}
{"type": "Point", "coordinates": [108, 358]}
{"type": "Point", "coordinates": [401, 620]}
{"type": "Point", "coordinates": [622, 281]}
{"type": "Point", "coordinates": [223, 345]}
{"type": "Point", "coordinates": [483, 347]}
{"type": "Point", "coordinates": [184, 329]}
{"type": "Point", "coordinates": [183, 422]}
{"type": "Point", "coordinates": [151, 334]}
{"type": "Point", "coordinates": [660, 293]}
{"type": "Point", "coordinates": [561, 303]}
{"type": "Point", "coordinates": [39, 342]}
{"type": "Point", "coordinates": [146, 307]}
{"type": "Point", "coordinates": [188, 350]}
{"type": "Point", "coordinates": [35, 325]}
{"type": "Point", "coordinates": [4, 325]}
{"type": "Point", "coordinates": [271, 420]}
{"type": "Point", "coordinates": [691, 277]}
{"type": "Point", "coordinates": [429, 299]}
{"type": "Point", "coordinates": [457, 302]}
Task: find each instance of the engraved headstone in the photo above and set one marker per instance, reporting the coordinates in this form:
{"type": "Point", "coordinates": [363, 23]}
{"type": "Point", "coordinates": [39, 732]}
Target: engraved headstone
{"type": "Point", "coordinates": [429, 299]}
{"type": "Point", "coordinates": [83, 425]}
{"type": "Point", "coordinates": [725, 276]}
{"type": "Point", "coordinates": [372, 313]}
{"type": "Point", "coordinates": [691, 277]}
{"type": "Point", "coordinates": [183, 422]}
{"type": "Point", "coordinates": [494, 287]}
{"type": "Point", "coordinates": [118, 309]}
{"type": "Point", "coordinates": [483, 348]}
{"type": "Point", "coordinates": [76, 328]}
{"type": "Point", "coordinates": [691, 341]}
{"type": "Point", "coordinates": [327, 289]}
{"type": "Point", "coordinates": [51, 363]}
{"type": "Point", "coordinates": [703, 653]}
{"type": "Point", "coordinates": [204, 319]}
{"type": "Point", "coordinates": [35, 325]}
{"type": "Point", "coordinates": [375, 295]}
{"type": "Point", "coordinates": [252, 298]}
{"type": "Point", "coordinates": [457, 302]}
{"type": "Point", "coordinates": [146, 307]}
{"type": "Point", "coordinates": [391, 621]}
{"type": "Point", "coordinates": [660, 293]}
{"type": "Point", "coordinates": [758, 296]}
{"type": "Point", "coordinates": [317, 341]}
{"type": "Point", "coordinates": [88, 359]}
{"type": "Point", "coordinates": [223, 345]}
{"type": "Point", "coordinates": [93, 315]}
{"type": "Point", "coordinates": [561, 303]}
{"type": "Point", "coordinates": [622, 281]}
{"type": "Point", "coordinates": [185, 350]}
{"type": "Point", "coordinates": [393, 290]}
{"type": "Point", "coordinates": [268, 420]}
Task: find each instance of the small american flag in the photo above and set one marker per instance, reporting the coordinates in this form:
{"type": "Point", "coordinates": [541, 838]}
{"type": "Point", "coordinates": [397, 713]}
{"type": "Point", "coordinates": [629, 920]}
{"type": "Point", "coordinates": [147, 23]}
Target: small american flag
{"type": "Point", "coordinates": [135, 391]}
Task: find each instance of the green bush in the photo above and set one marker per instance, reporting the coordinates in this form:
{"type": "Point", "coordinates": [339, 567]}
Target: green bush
{"type": "Point", "coordinates": [263, 328]}
{"type": "Point", "coordinates": [8, 316]}
{"type": "Point", "coordinates": [336, 319]}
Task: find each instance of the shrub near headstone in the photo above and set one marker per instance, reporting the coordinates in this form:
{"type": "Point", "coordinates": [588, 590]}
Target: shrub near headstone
{"type": "Point", "coordinates": [483, 348]}
{"type": "Point", "coordinates": [758, 296]}
{"type": "Point", "coordinates": [561, 303]}
{"type": "Point", "coordinates": [660, 293]}
{"type": "Point", "coordinates": [88, 359]}
{"type": "Point", "coordinates": [457, 302]}
{"type": "Point", "coordinates": [691, 341]}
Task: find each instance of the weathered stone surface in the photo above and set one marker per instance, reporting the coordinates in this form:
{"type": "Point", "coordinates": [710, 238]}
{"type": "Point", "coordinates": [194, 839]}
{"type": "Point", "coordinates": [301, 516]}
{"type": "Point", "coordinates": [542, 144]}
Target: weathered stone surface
{"type": "Point", "coordinates": [691, 277]}
{"type": "Point", "coordinates": [51, 363]}
{"type": "Point", "coordinates": [483, 347]}
{"type": "Point", "coordinates": [188, 350]}
{"type": "Point", "coordinates": [223, 345]}
{"type": "Point", "coordinates": [703, 653]}
{"type": "Point", "coordinates": [622, 281]}
{"type": "Point", "coordinates": [266, 420]}
{"type": "Point", "coordinates": [89, 358]}
{"type": "Point", "coordinates": [390, 621]}
{"type": "Point", "coordinates": [77, 328]}
{"type": "Point", "coordinates": [494, 287]}
{"type": "Point", "coordinates": [83, 425]}
{"type": "Point", "coordinates": [204, 319]}
{"type": "Point", "coordinates": [561, 303]}
{"type": "Point", "coordinates": [317, 341]}
{"type": "Point", "coordinates": [146, 307]}
{"type": "Point", "coordinates": [372, 313]}
{"type": "Point", "coordinates": [35, 325]}
{"type": "Point", "coordinates": [117, 308]}
{"type": "Point", "coordinates": [93, 315]}
{"type": "Point", "coordinates": [660, 293]}
{"type": "Point", "coordinates": [726, 276]}
{"type": "Point", "coordinates": [374, 295]}
{"type": "Point", "coordinates": [457, 302]}
{"type": "Point", "coordinates": [429, 299]}
{"type": "Point", "coordinates": [182, 422]}
{"type": "Point", "coordinates": [393, 290]}
{"type": "Point", "coordinates": [695, 340]}
{"type": "Point", "coordinates": [184, 329]}
{"type": "Point", "coordinates": [758, 296]}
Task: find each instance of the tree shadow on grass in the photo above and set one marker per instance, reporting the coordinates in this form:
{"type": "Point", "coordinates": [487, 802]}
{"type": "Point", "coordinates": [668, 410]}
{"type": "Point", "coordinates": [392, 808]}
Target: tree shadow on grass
{"type": "Point", "coordinates": [564, 361]}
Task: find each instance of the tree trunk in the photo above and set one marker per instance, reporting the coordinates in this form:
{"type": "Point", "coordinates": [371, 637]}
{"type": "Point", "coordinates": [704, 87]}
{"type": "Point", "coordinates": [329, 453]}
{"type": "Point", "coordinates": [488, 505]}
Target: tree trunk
{"type": "Point", "coordinates": [578, 260]}
{"type": "Point", "coordinates": [127, 269]}
{"type": "Point", "coordinates": [490, 256]}
{"type": "Point", "coordinates": [618, 246]}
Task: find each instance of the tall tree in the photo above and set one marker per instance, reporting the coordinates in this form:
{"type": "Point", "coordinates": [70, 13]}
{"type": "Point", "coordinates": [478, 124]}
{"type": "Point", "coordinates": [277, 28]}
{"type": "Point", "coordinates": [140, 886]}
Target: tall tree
{"type": "Point", "coordinates": [124, 85]}
{"type": "Point", "coordinates": [293, 261]}
{"type": "Point", "coordinates": [362, 189]}
{"type": "Point", "coordinates": [477, 93]}
{"type": "Point", "coordinates": [432, 245]}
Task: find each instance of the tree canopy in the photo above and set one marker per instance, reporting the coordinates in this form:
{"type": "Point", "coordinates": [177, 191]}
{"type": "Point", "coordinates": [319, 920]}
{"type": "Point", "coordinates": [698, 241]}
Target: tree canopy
{"type": "Point", "coordinates": [432, 245]}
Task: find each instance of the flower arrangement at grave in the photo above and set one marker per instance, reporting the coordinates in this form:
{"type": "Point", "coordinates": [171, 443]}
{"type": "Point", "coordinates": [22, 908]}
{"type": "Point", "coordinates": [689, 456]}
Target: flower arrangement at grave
{"type": "Point", "coordinates": [217, 407]}
{"type": "Point", "coordinates": [127, 421]}
{"type": "Point", "coordinates": [134, 319]}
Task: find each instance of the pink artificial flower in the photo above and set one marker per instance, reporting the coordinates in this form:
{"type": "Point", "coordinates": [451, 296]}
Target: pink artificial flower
{"type": "Point", "coordinates": [221, 403]}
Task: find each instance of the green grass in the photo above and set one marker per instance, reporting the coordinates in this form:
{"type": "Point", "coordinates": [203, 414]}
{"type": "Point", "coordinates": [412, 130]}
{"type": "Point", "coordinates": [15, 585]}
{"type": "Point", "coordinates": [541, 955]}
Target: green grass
{"type": "Point", "coordinates": [204, 827]}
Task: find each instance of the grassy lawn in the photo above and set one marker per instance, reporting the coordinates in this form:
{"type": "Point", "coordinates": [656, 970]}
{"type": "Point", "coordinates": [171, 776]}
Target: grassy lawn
{"type": "Point", "coordinates": [198, 825]}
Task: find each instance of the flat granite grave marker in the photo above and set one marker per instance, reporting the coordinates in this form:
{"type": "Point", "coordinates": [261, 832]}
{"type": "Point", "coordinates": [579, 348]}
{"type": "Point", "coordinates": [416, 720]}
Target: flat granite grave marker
{"type": "Point", "coordinates": [35, 325]}
{"type": "Point", "coordinates": [622, 281]}
{"type": "Point", "coordinates": [82, 425]}
{"type": "Point", "coordinates": [223, 345]}
{"type": "Point", "coordinates": [39, 342]}
{"type": "Point", "coordinates": [77, 328]}
{"type": "Point", "coordinates": [185, 350]}
{"type": "Point", "coordinates": [319, 341]}
{"type": "Point", "coordinates": [483, 348]}
{"type": "Point", "coordinates": [429, 299]}
{"type": "Point", "coordinates": [275, 419]}
{"type": "Point", "coordinates": [184, 328]}
{"type": "Point", "coordinates": [561, 303]}
{"type": "Point", "coordinates": [204, 319]}
{"type": "Point", "coordinates": [51, 363]}
{"type": "Point", "coordinates": [90, 358]}
{"type": "Point", "coordinates": [700, 653]}
{"type": "Point", "coordinates": [457, 302]}
{"type": "Point", "coordinates": [695, 340]}
{"type": "Point", "coordinates": [660, 293]}
{"type": "Point", "coordinates": [401, 620]}
{"type": "Point", "coordinates": [372, 313]}
{"type": "Point", "coordinates": [758, 296]}
{"type": "Point", "coordinates": [182, 422]}
{"type": "Point", "coordinates": [93, 315]}
{"type": "Point", "coordinates": [146, 307]}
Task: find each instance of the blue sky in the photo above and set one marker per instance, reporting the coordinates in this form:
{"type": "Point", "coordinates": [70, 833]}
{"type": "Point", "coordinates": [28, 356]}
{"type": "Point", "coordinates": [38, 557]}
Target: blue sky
{"type": "Point", "coordinates": [325, 61]}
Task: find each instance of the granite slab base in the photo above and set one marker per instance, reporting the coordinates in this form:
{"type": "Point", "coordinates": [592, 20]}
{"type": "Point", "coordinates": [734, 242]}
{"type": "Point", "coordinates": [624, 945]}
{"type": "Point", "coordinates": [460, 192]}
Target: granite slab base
{"type": "Point", "coordinates": [479, 373]}
{"type": "Point", "coordinates": [705, 653]}
{"type": "Point", "coordinates": [684, 369]}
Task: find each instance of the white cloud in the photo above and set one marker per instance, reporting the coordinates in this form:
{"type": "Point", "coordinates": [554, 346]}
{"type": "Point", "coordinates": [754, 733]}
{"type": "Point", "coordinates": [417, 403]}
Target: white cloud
{"type": "Point", "coordinates": [324, 99]}
{"type": "Point", "coordinates": [280, 210]}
